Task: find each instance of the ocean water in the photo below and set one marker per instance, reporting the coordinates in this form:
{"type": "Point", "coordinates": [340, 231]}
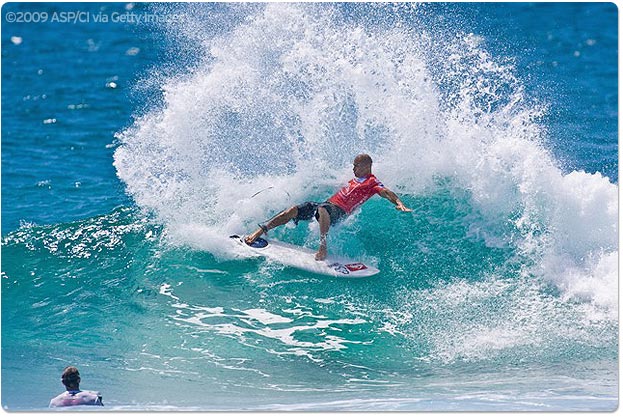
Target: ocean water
{"type": "Point", "coordinates": [136, 137]}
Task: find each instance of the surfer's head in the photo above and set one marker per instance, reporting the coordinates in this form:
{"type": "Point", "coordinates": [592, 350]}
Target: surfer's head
{"type": "Point", "coordinates": [71, 378]}
{"type": "Point", "coordinates": [362, 166]}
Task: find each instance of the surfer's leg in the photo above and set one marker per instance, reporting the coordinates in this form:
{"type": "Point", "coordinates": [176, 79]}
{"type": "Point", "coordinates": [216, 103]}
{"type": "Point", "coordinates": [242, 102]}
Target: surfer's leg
{"type": "Point", "coordinates": [280, 219]}
{"type": "Point", "coordinates": [325, 221]}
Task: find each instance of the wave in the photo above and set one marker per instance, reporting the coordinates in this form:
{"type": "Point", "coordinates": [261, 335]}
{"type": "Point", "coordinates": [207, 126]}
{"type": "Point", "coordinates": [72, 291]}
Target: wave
{"type": "Point", "coordinates": [468, 305]}
{"type": "Point", "coordinates": [280, 98]}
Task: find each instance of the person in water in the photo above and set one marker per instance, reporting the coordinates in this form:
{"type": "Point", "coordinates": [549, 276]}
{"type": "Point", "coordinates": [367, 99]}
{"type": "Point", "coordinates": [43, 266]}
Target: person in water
{"type": "Point", "coordinates": [337, 207]}
{"type": "Point", "coordinates": [74, 396]}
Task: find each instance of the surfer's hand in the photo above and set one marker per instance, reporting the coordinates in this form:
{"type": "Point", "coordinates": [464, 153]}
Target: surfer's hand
{"type": "Point", "coordinates": [401, 207]}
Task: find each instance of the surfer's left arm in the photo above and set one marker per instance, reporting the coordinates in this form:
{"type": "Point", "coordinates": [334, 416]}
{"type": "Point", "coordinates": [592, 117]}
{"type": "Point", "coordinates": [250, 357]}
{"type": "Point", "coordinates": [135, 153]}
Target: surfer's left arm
{"type": "Point", "coordinates": [392, 197]}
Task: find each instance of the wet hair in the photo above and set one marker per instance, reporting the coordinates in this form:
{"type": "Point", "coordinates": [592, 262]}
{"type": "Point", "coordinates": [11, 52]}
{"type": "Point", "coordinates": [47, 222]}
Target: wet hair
{"type": "Point", "coordinates": [364, 158]}
{"type": "Point", "coordinates": [71, 376]}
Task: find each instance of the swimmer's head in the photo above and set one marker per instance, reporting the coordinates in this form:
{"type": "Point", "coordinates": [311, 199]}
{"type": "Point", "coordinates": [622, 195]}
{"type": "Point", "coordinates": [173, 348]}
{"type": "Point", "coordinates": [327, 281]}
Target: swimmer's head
{"type": "Point", "coordinates": [71, 378]}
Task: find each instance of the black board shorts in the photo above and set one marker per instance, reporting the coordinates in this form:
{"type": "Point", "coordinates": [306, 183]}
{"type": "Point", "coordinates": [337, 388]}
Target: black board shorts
{"type": "Point", "coordinates": [307, 210]}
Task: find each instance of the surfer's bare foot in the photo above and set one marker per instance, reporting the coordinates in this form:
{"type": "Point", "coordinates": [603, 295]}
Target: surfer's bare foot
{"type": "Point", "coordinates": [321, 254]}
{"type": "Point", "coordinates": [250, 239]}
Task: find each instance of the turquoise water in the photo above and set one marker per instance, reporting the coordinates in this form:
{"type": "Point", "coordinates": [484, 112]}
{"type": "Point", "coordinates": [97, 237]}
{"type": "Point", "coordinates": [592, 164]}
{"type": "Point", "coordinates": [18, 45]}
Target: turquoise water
{"type": "Point", "coordinates": [129, 150]}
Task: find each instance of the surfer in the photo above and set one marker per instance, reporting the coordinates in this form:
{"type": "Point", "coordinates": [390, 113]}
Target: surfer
{"type": "Point", "coordinates": [74, 396]}
{"type": "Point", "coordinates": [337, 207]}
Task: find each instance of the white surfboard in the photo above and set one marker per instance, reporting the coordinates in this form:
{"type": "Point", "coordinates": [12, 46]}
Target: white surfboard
{"type": "Point", "coordinates": [304, 258]}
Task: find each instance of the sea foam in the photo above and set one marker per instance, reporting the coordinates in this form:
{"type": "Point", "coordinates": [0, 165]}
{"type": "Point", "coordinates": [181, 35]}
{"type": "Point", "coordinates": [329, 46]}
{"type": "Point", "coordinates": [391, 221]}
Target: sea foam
{"type": "Point", "coordinates": [282, 98]}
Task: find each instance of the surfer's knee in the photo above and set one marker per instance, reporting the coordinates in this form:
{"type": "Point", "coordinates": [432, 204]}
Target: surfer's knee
{"type": "Point", "coordinates": [322, 213]}
{"type": "Point", "coordinates": [286, 214]}
{"type": "Point", "coordinates": [323, 219]}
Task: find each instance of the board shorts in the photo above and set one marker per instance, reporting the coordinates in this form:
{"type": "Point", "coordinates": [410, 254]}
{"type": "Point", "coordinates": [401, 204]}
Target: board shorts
{"type": "Point", "coordinates": [308, 210]}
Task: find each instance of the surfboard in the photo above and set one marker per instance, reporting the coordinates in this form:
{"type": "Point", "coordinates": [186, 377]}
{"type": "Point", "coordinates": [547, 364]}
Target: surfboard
{"type": "Point", "coordinates": [304, 258]}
